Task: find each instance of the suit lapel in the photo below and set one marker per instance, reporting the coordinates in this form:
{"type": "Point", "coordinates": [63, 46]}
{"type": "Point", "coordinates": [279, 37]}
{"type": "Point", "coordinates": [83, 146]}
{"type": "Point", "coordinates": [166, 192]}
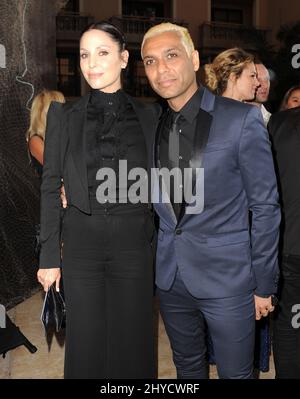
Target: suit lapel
{"type": "Point", "coordinates": [148, 119]}
{"type": "Point", "coordinates": [204, 121]}
{"type": "Point", "coordinates": [77, 118]}
{"type": "Point", "coordinates": [203, 125]}
{"type": "Point", "coordinates": [160, 189]}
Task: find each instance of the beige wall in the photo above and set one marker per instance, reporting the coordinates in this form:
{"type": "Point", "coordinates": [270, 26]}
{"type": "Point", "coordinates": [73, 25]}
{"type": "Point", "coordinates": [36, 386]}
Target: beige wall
{"type": "Point", "coordinates": [194, 12]}
{"type": "Point", "coordinates": [101, 9]}
{"type": "Point", "coordinates": [283, 12]}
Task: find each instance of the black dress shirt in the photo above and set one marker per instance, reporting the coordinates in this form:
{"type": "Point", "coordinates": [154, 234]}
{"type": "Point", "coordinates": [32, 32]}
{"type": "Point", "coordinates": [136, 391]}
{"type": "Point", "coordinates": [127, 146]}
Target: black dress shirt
{"type": "Point", "coordinates": [113, 133]}
{"type": "Point", "coordinates": [186, 124]}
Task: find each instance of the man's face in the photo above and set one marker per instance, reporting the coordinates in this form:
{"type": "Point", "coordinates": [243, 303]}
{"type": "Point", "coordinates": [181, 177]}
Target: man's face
{"type": "Point", "coordinates": [171, 72]}
{"type": "Point", "coordinates": [262, 92]}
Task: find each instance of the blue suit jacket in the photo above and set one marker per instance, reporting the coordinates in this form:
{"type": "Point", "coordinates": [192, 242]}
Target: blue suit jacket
{"type": "Point", "coordinates": [216, 251]}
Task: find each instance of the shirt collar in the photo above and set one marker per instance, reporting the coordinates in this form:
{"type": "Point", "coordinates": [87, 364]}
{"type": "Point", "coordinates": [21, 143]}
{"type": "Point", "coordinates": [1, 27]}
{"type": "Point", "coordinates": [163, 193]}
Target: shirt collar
{"type": "Point", "coordinates": [265, 113]}
{"type": "Point", "coordinates": [191, 108]}
{"type": "Point", "coordinates": [99, 98]}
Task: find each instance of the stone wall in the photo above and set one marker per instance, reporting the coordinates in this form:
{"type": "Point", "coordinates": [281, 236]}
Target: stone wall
{"type": "Point", "coordinates": [27, 33]}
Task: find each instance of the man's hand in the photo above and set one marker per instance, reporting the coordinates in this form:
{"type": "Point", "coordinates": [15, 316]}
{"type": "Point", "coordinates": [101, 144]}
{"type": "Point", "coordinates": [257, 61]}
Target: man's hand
{"type": "Point", "coordinates": [263, 306]}
{"type": "Point", "coordinates": [49, 276]}
{"type": "Point", "coordinates": [63, 196]}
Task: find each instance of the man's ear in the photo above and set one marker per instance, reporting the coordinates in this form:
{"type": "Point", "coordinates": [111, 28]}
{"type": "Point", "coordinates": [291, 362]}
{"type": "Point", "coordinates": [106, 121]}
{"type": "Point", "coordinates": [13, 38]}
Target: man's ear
{"type": "Point", "coordinates": [124, 57]}
{"type": "Point", "coordinates": [195, 60]}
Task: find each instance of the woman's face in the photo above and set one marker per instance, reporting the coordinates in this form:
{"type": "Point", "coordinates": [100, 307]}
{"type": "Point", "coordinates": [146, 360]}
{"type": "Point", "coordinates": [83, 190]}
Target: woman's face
{"type": "Point", "coordinates": [294, 99]}
{"type": "Point", "coordinates": [101, 61]}
{"type": "Point", "coordinates": [247, 83]}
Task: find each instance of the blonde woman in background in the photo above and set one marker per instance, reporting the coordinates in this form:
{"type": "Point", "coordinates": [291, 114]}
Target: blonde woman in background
{"type": "Point", "coordinates": [232, 74]}
{"type": "Point", "coordinates": [35, 135]}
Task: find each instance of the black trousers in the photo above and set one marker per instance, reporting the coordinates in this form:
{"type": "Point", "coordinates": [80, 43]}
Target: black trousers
{"type": "Point", "coordinates": [108, 282]}
{"type": "Point", "coordinates": [286, 336]}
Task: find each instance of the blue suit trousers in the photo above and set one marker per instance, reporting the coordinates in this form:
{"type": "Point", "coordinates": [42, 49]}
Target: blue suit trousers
{"type": "Point", "coordinates": [231, 324]}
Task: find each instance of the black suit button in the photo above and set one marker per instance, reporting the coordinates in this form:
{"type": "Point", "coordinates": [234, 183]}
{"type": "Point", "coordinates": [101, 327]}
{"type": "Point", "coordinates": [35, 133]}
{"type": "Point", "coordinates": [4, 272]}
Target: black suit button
{"type": "Point", "coordinates": [178, 231]}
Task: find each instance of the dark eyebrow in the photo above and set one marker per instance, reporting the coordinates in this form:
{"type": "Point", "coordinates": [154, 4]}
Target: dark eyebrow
{"type": "Point", "coordinates": [165, 52]}
{"type": "Point", "coordinates": [102, 46]}
{"type": "Point", "coordinates": [172, 49]}
{"type": "Point", "coordinates": [148, 56]}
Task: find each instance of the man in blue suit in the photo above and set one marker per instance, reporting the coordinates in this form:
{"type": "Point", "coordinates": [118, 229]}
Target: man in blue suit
{"type": "Point", "coordinates": [213, 268]}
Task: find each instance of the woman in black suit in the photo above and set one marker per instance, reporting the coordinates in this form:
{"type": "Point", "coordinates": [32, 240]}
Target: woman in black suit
{"type": "Point", "coordinates": [107, 255]}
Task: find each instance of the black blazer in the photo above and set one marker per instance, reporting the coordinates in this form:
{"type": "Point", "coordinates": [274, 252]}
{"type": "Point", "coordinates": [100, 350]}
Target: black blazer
{"type": "Point", "coordinates": [64, 159]}
{"type": "Point", "coordinates": [284, 129]}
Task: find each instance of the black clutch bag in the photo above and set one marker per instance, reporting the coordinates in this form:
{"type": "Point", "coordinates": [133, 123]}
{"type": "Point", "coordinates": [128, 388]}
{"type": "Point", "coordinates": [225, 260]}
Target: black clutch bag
{"type": "Point", "coordinates": [54, 310]}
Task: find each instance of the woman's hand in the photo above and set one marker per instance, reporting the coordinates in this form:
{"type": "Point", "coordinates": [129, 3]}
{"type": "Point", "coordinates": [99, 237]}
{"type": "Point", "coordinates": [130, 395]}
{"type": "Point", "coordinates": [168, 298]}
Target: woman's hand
{"type": "Point", "coordinates": [63, 197]}
{"type": "Point", "coordinates": [49, 276]}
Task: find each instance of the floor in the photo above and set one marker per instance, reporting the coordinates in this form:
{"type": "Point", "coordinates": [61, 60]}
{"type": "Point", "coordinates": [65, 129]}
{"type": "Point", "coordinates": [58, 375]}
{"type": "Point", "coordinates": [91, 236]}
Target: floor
{"type": "Point", "coordinates": [20, 363]}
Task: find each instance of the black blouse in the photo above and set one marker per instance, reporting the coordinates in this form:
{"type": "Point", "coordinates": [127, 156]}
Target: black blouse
{"type": "Point", "coordinates": [113, 134]}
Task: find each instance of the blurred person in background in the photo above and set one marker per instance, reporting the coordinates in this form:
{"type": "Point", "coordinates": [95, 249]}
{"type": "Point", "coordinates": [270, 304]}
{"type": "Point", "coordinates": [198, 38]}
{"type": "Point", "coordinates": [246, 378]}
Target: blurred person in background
{"type": "Point", "coordinates": [291, 98]}
{"type": "Point", "coordinates": [284, 128]}
{"type": "Point", "coordinates": [263, 90]}
{"type": "Point", "coordinates": [35, 135]}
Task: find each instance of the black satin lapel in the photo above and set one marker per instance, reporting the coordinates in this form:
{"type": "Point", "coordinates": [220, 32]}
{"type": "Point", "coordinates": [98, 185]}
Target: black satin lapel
{"type": "Point", "coordinates": [156, 161]}
{"type": "Point", "coordinates": [204, 120]}
{"type": "Point", "coordinates": [156, 143]}
{"type": "Point", "coordinates": [77, 143]}
{"type": "Point", "coordinates": [149, 126]}
{"type": "Point", "coordinates": [149, 122]}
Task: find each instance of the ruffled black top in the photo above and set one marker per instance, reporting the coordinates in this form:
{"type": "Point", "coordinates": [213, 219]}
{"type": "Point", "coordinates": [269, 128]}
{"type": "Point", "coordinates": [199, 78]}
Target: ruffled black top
{"type": "Point", "coordinates": [113, 133]}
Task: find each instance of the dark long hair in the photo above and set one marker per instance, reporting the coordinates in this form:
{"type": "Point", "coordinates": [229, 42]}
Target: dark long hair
{"type": "Point", "coordinates": [112, 30]}
{"type": "Point", "coordinates": [283, 105]}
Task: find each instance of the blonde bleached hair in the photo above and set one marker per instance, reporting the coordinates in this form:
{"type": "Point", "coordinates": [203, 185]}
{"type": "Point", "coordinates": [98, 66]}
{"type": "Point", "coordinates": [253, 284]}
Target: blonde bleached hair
{"type": "Point", "coordinates": [38, 112]}
{"type": "Point", "coordinates": [182, 32]}
{"type": "Point", "coordinates": [217, 73]}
